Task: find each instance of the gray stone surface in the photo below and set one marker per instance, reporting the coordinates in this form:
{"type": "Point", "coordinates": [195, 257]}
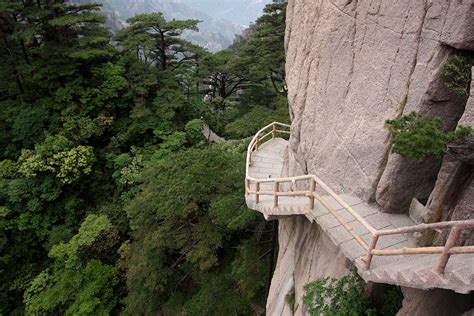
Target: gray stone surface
{"type": "Point", "coordinates": [465, 210]}
{"type": "Point", "coordinates": [210, 136]}
{"type": "Point", "coordinates": [317, 245]}
{"type": "Point", "coordinates": [350, 66]}
{"type": "Point", "coordinates": [436, 302]}
{"type": "Point", "coordinates": [404, 178]}
{"type": "Point", "coordinates": [458, 30]}
{"type": "Point", "coordinates": [453, 195]}
{"type": "Point", "coordinates": [305, 254]}
{"type": "Point", "coordinates": [418, 211]}
{"type": "Point", "coordinates": [465, 206]}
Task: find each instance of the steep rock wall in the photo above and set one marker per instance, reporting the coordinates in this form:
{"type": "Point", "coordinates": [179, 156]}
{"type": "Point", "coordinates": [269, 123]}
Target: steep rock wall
{"type": "Point", "coordinates": [306, 254]}
{"type": "Point", "coordinates": [352, 64]}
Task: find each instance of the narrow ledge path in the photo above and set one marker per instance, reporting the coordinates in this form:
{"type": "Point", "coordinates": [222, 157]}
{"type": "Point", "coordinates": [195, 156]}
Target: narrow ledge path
{"type": "Point", "coordinates": [264, 166]}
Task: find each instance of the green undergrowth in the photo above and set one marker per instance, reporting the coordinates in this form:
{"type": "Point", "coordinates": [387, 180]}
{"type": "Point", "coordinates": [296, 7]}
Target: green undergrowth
{"type": "Point", "coordinates": [348, 297]}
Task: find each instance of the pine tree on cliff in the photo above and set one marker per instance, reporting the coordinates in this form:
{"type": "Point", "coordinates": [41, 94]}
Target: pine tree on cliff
{"type": "Point", "coordinates": [153, 39]}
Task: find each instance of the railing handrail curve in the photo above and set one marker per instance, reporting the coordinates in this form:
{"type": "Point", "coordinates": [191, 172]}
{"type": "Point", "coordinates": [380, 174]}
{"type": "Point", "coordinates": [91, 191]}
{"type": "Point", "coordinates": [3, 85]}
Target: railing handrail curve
{"type": "Point", "coordinates": [455, 226]}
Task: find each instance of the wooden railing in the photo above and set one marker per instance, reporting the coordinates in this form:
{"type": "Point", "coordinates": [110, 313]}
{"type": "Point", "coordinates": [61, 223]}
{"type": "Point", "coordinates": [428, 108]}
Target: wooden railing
{"type": "Point", "coordinates": [315, 185]}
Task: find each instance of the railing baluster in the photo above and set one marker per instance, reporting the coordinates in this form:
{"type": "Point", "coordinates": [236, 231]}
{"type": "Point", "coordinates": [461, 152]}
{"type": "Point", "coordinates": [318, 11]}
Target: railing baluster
{"type": "Point", "coordinates": [446, 251]}
{"type": "Point", "coordinates": [257, 190]}
{"type": "Point", "coordinates": [373, 245]}
{"type": "Point", "coordinates": [312, 186]}
{"type": "Point", "coordinates": [275, 191]}
{"type": "Point", "coordinates": [451, 242]}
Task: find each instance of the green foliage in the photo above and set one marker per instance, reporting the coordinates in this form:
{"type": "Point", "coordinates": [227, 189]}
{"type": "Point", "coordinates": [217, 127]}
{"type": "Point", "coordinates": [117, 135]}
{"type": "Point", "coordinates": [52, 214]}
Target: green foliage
{"type": "Point", "coordinates": [113, 83]}
{"type": "Point", "coordinates": [337, 297]}
{"type": "Point", "coordinates": [90, 129]}
{"type": "Point", "coordinates": [249, 123]}
{"type": "Point", "coordinates": [82, 128]}
{"type": "Point", "coordinates": [243, 82]}
{"type": "Point", "coordinates": [72, 286]}
{"type": "Point", "coordinates": [193, 131]}
{"type": "Point", "coordinates": [347, 296]}
{"type": "Point", "coordinates": [151, 38]}
{"type": "Point", "coordinates": [416, 136]}
{"type": "Point", "coordinates": [190, 205]}
{"type": "Point", "coordinates": [262, 57]}
{"type": "Point", "coordinates": [457, 74]}
{"type": "Point", "coordinates": [53, 156]}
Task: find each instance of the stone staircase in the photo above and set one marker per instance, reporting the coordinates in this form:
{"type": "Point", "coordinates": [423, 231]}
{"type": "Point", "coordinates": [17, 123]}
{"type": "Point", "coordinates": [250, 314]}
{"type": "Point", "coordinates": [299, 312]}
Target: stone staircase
{"type": "Point", "coordinates": [265, 162]}
{"type": "Point", "coordinates": [417, 271]}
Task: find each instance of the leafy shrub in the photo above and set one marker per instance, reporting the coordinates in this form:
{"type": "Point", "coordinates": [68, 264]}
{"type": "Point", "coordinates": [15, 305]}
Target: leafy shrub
{"type": "Point", "coordinates": [416, 136]}
{"type": "Point", "coordinates": [337, 297]}
{"type": "Point", "coordinates": [257, 118]}
{"type": "Point", "coordinates": [331, 297]}
{"type": "Point", "coordinates": [457, 74]}
{"type": "Point", "coordinates": [74, 285]}
{"type": "Point", "coordinates": [193, 131]}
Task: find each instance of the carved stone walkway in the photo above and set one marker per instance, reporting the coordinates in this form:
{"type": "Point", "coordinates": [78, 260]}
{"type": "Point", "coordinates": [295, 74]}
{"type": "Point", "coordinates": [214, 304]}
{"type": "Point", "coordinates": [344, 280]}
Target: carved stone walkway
{"type": "Point", "coordinates": [405, 270]}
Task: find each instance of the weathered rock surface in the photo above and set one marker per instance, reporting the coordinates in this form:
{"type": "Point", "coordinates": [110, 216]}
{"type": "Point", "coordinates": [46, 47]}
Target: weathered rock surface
{"type": "Point", "coordinates": [453, 195]}
{"type": "Point", "coordinates": [458, 30]}
{"type": "Point", "coordinates": [305, 254]}
{"type": "Point", "coordinates": [434, 303]}
{"type": "Point", "coordinates": [210, 136]}
{"type": "Point", "coordinates": [464, 210]}
{"type": "Point", "coordinates": [405, 178]}
{"type": "Point", "coordinates": [352, 64]}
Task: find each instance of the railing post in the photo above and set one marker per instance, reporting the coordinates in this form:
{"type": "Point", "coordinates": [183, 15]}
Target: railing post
{"type": "Point", "coordinates": [275, 196]}
{"type": "Point", "coordinates": [451, 242]}
{"type": "Point", "coordinates": [273, 130]}
{"type": "Point", "coordinates": [257, 143]}
{"type": "Point", "coordinates": [312, 186]}
{"type": "Point", "coordinates": [247, 186]}
{"type": "Point", "coordinates": [257, 190]}
{"type": "Point", "coordinates": [373, 244]}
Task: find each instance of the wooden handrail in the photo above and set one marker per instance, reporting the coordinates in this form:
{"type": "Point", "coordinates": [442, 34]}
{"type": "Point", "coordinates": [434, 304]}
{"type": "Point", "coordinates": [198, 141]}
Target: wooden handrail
{"type": "Point", "coordinates": [446, 251]}
{"type": "Point", "coordinates": [421, 227]}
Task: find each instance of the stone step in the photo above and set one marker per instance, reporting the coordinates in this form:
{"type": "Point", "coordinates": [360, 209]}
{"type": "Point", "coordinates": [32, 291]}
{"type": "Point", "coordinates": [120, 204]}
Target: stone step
{"type": "Point", "coordinates": [408, 270]}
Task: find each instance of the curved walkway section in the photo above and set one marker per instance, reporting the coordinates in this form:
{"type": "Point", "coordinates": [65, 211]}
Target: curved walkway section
{"type": "Point", "coordinates": [379, 244]}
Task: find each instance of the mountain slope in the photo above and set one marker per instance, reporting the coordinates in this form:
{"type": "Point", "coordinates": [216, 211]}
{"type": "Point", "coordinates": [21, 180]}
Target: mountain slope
{"type": "Point", "coordinates": [242, 12]}
{"type": "Point", "coordinates": [221, 20]}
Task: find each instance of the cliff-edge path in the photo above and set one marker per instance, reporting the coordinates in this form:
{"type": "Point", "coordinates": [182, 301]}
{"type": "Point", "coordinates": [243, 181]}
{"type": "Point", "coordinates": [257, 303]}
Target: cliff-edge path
{"type": "Point", "coordinates": [379, 244]}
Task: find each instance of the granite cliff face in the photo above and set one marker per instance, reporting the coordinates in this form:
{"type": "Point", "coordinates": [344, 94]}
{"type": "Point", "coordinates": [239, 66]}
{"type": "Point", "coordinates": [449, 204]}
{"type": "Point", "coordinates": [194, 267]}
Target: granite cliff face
{"type": "Point", "coordinates": [352, 64]}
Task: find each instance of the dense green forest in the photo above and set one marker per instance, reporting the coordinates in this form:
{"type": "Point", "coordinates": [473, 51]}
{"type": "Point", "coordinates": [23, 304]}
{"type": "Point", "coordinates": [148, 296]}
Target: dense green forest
{"type": "Point", "coordinates": [111, 199]}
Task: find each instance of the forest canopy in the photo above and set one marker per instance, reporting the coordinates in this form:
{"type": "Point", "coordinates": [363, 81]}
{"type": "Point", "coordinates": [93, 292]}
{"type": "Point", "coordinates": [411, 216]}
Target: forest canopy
{"type": "Point", "coordinates": [111, 199]}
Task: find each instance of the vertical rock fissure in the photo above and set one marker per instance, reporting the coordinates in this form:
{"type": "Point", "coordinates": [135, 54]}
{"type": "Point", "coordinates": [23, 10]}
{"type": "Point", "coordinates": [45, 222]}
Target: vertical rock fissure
{"type": "Point", "coordinates": [415, 60]}
{"type": "Point", "coordinates": [388, 147]}
{"type": "Point", "coordinates": [352, 40]}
